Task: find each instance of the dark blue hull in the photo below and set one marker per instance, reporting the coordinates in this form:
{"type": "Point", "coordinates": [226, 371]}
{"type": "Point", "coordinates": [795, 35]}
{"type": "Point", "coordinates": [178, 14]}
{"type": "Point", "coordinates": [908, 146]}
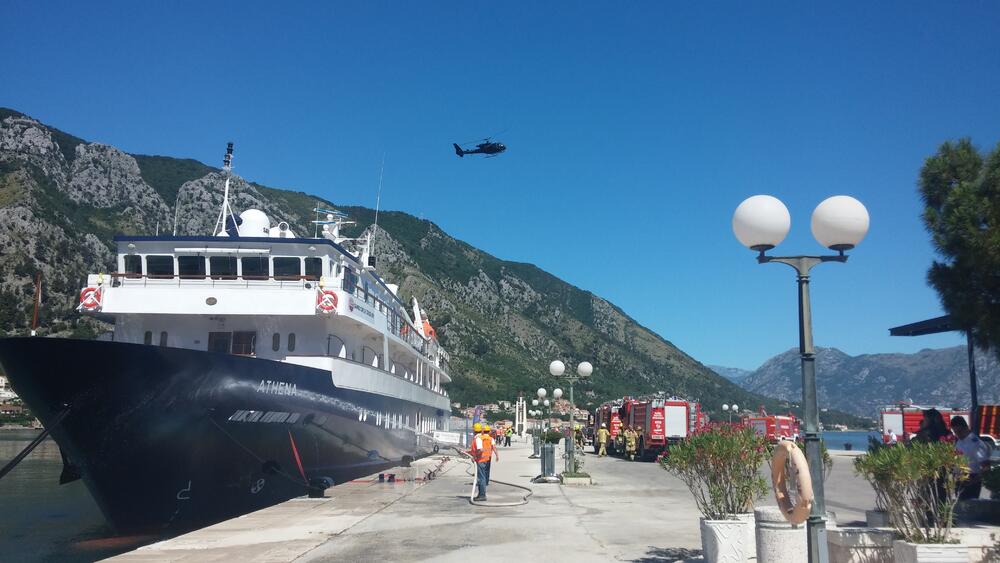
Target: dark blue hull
{"type": "Point", "coordinates": [169, 439]}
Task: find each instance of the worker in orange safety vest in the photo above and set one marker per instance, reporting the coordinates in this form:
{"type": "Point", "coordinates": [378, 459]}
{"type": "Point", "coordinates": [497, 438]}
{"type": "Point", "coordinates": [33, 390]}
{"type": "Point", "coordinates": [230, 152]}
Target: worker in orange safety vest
{"type": "Point", "coordinates": [482, 452]}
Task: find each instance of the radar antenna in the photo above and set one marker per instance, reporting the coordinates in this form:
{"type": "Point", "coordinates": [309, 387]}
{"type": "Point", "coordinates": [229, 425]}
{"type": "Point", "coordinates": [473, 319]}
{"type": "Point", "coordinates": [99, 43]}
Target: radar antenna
{"type": "Point", "coordinates": [228, 223]}
{"type": "Point", "coordinates": [370, 243]}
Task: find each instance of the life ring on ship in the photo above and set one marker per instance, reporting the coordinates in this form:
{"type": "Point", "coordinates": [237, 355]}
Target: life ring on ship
{"type": "Point", "coordinates": [797, 513]}
{"type": "Point", "coordinates": [90, 298]}
{"type": "Point", "coordinates": [326, 300]}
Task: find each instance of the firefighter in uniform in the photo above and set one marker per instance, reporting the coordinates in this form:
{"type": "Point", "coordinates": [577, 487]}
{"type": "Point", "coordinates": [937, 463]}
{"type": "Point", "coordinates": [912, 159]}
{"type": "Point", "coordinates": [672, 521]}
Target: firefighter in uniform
{"type": "Point", "coordinates": [620, 440]}
{"type": "Point", "coordinates": [602, 440]}
{"type": "Point", "coordinates": [631, 440]}
{"type": "Point", "coordinates": [578, 437]}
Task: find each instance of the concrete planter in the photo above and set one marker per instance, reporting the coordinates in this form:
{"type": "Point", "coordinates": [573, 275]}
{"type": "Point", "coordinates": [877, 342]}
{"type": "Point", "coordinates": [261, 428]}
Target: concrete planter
{"type": "Point", "coordinates": [860, 545]}
{"type": "Point", "coordinates": [780, 542]}
{"type": "Point", "coordinates": [877, 519]}
{"type": "Point", "coordinates": [906, 552]}
{"type": "Point", "coordinates": [723, 541]}
{"type": "Point", "coordinates": [751, 540]}
{"type": "Point", "coordinates": [577, 481]}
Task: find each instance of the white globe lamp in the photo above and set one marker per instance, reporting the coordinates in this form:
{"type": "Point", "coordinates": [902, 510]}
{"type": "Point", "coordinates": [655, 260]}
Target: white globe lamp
{"type": "Point", "coordinates": [840, 222]}
{"type": "Point", "coordinates": [557, 393]}
{"type": "Point", "coordinates": [546, 402]}
{"type": "Point", "coordinates": [534, 402]}
{"type": "Point", "coordinates": [584, 369]}
{"type": "Point", "coordinates": [557, 368]}
{"type": "Point", "coordinates": [735, 408]}
{"type": "Point", "coordinates": [761, 222]}
{"type": "Point", "coordinates": [725, 407]}
{"type": "Point", "coordinates": [542, 393]}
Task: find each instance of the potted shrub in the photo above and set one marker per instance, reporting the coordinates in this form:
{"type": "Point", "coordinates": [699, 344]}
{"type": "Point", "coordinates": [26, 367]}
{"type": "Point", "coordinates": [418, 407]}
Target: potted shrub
{"type": "Point", "coordinates": [991, 480]}
{"type": "Point", "coordinates": [920, 487]}
{"type": "Point", "coordinates": [874, 469]}
{"type": "Point", "coordinates": [721, 467]}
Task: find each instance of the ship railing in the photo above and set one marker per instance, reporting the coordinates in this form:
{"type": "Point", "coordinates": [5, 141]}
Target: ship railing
{"type": "Point", "coordinates": [379, 368]}
{"type": "Point", "coordinates": [119, 279]}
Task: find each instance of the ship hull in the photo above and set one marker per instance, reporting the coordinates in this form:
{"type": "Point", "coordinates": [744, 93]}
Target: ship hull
{"type": "Point", "coordinates": [170, 439]}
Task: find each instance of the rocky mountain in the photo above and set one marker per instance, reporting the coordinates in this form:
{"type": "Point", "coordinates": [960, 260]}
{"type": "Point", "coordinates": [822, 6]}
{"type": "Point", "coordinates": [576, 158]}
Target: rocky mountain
{"type": "Point", "coordinates": [732, 374]}
{"type": "Point", "coordinates": [62, 199]}
{"type": "Point", "coordinates": [861, 384]}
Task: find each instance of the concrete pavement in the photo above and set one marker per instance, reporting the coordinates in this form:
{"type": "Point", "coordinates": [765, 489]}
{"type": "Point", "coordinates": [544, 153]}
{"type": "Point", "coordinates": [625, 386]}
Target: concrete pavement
{"type": "Point", "coordinates": [634, 512]}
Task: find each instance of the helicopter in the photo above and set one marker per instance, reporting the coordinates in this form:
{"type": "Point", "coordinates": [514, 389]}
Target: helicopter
{"type": "Point", "coordinates": [487, 147]}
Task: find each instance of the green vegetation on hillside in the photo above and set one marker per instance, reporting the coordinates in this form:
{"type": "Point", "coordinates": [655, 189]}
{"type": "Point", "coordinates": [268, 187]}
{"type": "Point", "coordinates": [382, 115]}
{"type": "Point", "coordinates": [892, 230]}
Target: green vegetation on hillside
{"type": "Point", "coordinates": [166, 175]}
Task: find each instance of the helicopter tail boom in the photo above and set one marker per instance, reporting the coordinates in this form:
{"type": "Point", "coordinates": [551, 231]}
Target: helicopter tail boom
{"type": "Point", "coordinates": [458, 150]}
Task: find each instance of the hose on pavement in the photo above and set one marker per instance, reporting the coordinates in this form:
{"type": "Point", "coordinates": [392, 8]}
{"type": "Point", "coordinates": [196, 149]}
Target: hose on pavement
{"type": "Point", "coordinates": [464, 456]}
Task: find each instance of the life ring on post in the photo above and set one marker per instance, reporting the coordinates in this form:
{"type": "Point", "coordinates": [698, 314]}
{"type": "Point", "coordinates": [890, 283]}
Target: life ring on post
{"type": "Point", "coordinates": [788, 451]}
{"type": "Point", "coordinates": [90, 299]}
{"type": "Point", "coordinates": [326, 301]}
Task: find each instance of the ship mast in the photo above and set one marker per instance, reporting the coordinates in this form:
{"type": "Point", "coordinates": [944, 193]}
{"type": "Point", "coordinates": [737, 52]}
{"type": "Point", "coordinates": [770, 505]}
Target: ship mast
{"type": "Point", "coordinates": [226, 213]}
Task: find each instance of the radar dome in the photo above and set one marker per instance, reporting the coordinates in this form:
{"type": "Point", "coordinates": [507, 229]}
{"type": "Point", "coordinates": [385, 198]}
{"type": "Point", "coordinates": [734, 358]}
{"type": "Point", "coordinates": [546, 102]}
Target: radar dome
{"type": "Point", "coordinates": [255, 223]}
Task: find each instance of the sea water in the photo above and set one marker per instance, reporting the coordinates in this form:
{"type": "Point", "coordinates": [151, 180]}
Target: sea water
{"type": "Point", "coordinates": [41, 520]}
{"type": "Point", "coordinates": [858, 441]}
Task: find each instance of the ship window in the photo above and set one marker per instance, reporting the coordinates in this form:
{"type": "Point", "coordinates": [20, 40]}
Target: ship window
{"type": "Point", "coordinates": [254, 267]}
{"type": "Point", "coordinates": [133, 266]}
{"type": "Point", "coordinates": [147, 338]}
{"type": "Point", "coordinates": [244, 343]}
{"type": "Point", "coordinates": [163, 338]}
{"type": "Point", "coordinates": [223, 267]}
{"type": "Point", "coordinates": [220, 341]}
{"type": "Point", "coordinates": [287, 268]}
{"type": "Point", "coordinates": [160, 266]}
{"type": "Point", "coordinates": [314, 268]}
{"type": "Point", "coordinates": [191, 267]}
{"type": "Point", "coordinates": [291, 341]}
{"type": "Point", "coordinates": [350, 280]}
{"type": "Point", "coordinates": [276, 342]}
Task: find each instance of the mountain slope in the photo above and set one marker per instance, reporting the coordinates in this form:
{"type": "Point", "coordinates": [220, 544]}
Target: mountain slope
{"type": "Point", "coordinates": [732, 374]}
{"type": "Point", "coordinates": [62, 199]}
{"type": "Point", "coordinates": [861, 384]}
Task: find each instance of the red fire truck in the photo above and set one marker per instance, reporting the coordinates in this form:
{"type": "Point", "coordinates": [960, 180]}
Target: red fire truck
{"type": "Point", "coordinates": [608, 415]}
{"type": "Point", "coordinates": [904, 419]}
{"type": "Point", "coordinates": [774, 427]}
{"type": "Point", "coordinates": [660, 422]}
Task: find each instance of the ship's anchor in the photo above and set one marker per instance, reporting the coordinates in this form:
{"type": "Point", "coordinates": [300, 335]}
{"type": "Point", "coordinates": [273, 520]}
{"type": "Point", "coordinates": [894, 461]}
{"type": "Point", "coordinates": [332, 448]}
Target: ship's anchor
{"type": "Point", "coordinates": [34, 443]}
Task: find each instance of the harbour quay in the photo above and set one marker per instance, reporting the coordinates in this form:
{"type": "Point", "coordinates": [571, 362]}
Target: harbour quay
{"type": "Point", "coordinates": [633, 511]}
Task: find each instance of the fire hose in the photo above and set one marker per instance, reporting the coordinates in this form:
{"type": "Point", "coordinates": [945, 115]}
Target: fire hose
{"type": "Point", "coordinates": [464, 456]}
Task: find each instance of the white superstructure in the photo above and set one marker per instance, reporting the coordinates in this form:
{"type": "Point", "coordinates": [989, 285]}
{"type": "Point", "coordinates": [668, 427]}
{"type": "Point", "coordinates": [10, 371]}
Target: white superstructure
{"type": "Point", "coordinates": [310, 302]}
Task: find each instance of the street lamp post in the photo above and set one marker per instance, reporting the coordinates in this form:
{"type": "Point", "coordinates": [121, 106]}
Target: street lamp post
{"type": "Point", "coordinates": [583, 371]}
{"type": "Point", "coordinates": [731, 410]}
{"type": "Point", "coordinates": [839, 223]}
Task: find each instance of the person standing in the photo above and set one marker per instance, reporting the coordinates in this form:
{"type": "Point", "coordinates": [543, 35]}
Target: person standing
{"type": "Point", "coordinates": [492, 453]}
{"type": "Point", "coordinates": [977, 455]}
{"type": "Point", "coordinates": [602, 440]}
{"type": "Point", "coordinates": [508, 435]}
{"type": "Point", "coordinates": [893, 439]}
{"type": "Point", "coordinates": [482, 452]}
{"type": "Point", "coordinates": [631, 439]}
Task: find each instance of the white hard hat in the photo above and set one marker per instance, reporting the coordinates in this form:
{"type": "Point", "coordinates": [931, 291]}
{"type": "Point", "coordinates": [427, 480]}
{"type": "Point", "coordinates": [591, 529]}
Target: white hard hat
{"type": "Point", "coordinates": [604, 425]}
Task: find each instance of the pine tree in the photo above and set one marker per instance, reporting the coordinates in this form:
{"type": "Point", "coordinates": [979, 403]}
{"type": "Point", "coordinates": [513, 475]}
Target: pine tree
{"type": "Point", "coordinates": [961, 194]}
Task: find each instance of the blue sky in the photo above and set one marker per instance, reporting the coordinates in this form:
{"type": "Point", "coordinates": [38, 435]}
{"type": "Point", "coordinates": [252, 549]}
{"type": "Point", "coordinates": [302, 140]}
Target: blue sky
{"type": "Point", "coordinates": [633, 131]}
